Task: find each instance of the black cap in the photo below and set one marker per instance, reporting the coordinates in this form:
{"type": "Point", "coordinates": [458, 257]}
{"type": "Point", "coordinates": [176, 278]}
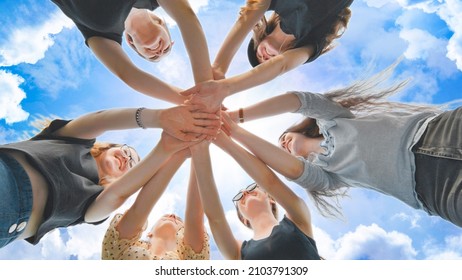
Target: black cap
{"type": "Point", "coordinates": [252, 54]}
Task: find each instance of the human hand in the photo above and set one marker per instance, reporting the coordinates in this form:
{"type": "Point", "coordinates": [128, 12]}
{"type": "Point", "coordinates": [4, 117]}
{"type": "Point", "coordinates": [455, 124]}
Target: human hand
{"type": "Point", "coordinates": [186, 123]}
{"type": "Point", "coordinates": [209, 95]}
{"type": "Point", "coordinates": [222, 140]}
{"type": "Point", "coordinates": [228, 125]}
{"type": "Point", "coordinates": [218, 74]}
{"type": "Point", "coordinates": [198, 147]}
{"type": "Point", "coordinates": [172, 145]}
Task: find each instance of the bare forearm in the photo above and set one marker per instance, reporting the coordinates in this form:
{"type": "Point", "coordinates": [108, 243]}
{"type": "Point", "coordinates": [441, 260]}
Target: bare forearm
{"type": "Point", "coordinates": [135, 218]}
{"type": "Point", "coordinates": [277, 105]}
{"type": "Point", "coordinates": [253, 166]}
{"type": "Point", "coordinates": [153, 87]}
{"type": "Point", "coordinates": [207, 187]}
{"type": "Point", "coordinates": [94, 124]}
{"type": "Point", "coordinates": [221, 231]}
{"type": "Point", "coordinates": [114, 195]}
{"type": "Point", "coordinates": [197, 48]}
{"type": "Point", "coordinates": [194, 215]}
{"type": "Point", "coordinates": [242, 27]}
{"type": "Point", "coordinates": [276, 158]}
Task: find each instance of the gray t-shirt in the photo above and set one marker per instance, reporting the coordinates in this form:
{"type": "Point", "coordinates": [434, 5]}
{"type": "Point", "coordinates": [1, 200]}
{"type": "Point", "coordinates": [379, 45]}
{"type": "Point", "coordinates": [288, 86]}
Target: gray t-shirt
{"type": "Point", "coordinates": [71, 173]}
{"type": "Point", "coordinates": [372, 152]}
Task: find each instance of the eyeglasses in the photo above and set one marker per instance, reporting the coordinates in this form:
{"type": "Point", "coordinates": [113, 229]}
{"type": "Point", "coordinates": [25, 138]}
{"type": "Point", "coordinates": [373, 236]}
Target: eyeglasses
{"type": "Point", "coordinates": [127, 153]}
{"type": "Point", "coordinates": [240, 195]}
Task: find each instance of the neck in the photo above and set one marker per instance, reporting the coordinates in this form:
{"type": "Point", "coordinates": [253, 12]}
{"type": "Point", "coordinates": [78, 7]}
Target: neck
{"type": "Point", "coordinates": [263, 224]}
{"type": "Point", "coordinates": [159, 246]}
{"type": "Point", "coordinates": [313, 145]}
{"type": "Point", "coordinates": [282, 37]}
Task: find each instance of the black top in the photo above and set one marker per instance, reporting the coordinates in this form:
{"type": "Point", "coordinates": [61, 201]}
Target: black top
{"type": "Point", "coordinates": [308, 20]}
{"type": "Point", "coordinates": [102, 18]}
{"type": "Point", "coordinates": [286, 242]}
{"type": "Point", "coordinates": [71, 173]}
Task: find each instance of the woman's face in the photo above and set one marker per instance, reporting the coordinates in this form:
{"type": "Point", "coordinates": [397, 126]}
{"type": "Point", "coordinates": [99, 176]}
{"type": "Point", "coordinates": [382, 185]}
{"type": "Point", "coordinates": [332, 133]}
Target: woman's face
{"type": "Point", "coordinates": [273, 44]}
{"type": "Point", "coordinates": [295, 143]}
{"type": "Point", "coordinates": [153, 41]}
{"type": "Point", "coordinates": [116, 161]}
{"type": "Point", "coordinates": [267, 49]}
{"type": "Point", "coordinates": [166, 227]}
{"type": "Point", "coordinates": [253, 201]}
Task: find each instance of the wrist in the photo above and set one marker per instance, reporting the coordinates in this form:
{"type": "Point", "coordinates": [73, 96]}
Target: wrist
{"type": "Point", "coordinates": [227, 88]}
{"type": "Point", "coordinates": [150, 118]}
{"type": "Point", "coordinates": [140, 118]}
{"type": "Point", "coordinates": [240, 115]}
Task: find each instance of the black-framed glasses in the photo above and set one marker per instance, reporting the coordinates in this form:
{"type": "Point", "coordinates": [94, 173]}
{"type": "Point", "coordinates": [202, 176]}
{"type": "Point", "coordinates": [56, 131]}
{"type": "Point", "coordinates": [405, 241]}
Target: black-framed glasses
{"type": "Point", "coordinates": [127, 153]}
{"type": "Point", "coordinates": [240, 194]}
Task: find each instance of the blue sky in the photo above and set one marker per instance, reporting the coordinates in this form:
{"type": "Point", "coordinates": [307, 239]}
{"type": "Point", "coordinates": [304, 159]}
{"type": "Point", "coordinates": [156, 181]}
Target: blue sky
{"type": "Point", "coordinates": [46, 70]}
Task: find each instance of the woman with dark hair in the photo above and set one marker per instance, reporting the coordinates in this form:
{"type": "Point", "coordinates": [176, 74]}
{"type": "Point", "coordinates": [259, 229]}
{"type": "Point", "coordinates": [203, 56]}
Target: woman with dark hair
{"type": "Point", "coordinates": [60, 177]}
{"type": "Point", "coordinates": [298, 32]}
{"type": "Point", "coordinates": [354, 137]}
{"type": "Point", "coordinates": [290, 238]}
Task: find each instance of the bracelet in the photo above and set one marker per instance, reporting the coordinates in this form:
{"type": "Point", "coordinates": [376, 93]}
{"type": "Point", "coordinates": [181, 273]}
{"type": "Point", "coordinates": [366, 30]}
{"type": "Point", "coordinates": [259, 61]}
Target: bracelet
{"type": "Point", "coordinates": [241, 115]}
{"type": "Point", "coordinates": [138, 117]}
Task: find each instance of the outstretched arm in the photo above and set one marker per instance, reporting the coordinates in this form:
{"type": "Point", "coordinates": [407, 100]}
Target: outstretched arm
{"type": "Point", "coordinates": [249, 16]}
{"type": "Point", "coordinates": [224, 238]}
{"type": "Point", "coordinates": [280, 104]}
{"type": "Point", "coordinates": [275, 157]}
{"type": "Point", "coordinates": [194, 216]}
{"type": "Point", "coordinates": [118, 191]}
{"type": "Point", "coordinates": [111, 54]}
{"type": "Point", "coordinates": [212, 93]}
{"type": "Point", "coordinates": [133, 221]}
{"type": "Point", "coordinates": [193, 37]}
{"type": "Point", "coordinates": [178, 121]}
{"type": "Point", "coordinates": [295, 207]}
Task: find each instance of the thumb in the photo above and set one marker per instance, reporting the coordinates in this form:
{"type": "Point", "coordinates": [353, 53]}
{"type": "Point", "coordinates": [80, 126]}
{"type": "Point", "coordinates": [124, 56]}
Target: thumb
{"type": "Point", "coordinates": [188, 92]}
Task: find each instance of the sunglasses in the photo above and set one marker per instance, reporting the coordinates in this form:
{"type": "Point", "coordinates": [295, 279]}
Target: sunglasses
{"type": "Point", "coordinates": [240, 195]}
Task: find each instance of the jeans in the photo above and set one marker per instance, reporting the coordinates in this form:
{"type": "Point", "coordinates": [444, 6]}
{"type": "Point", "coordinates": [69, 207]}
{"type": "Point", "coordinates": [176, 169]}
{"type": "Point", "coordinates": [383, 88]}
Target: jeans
{"type": "Point", "coordinates": [15, 199]}
{"type": "Point", "coordinates": [438, 158]}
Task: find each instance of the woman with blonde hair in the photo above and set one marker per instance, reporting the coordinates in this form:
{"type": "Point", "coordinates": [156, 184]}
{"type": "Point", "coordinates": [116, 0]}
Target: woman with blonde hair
{"type": "Point", "coordinates": [103, 23]}
{"type": "Point", "coordinates": [170, 238]}
{"type": "Point", "coordinates": [298, 32]}
{"type": "Point", "coordinates": [59, 178]}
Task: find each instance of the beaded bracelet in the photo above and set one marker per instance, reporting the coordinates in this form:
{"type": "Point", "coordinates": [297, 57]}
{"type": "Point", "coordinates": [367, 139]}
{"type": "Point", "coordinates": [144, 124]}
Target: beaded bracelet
{"type": "Point", "coordinates": [241, 115]}
{"type": "Point", "coordinates": [138, 117]}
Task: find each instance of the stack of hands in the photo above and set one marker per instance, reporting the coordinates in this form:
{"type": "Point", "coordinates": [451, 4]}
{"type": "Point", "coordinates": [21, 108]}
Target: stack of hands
{"type": "Point", "coordinates": [200, 120]}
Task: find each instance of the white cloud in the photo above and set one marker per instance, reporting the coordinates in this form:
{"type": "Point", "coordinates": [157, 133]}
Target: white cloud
{"type": "Point", "coordinates": [412, 219]}
{"type": "Point", "coordinates": [378, 3]}
{"type": "Point", "coordinates": [449, 250]}
{"type": "Point", "coordinates": [449, 11]}
{"type": "Point", "coordinates": [29, 44]}
{"type": "Point", "coordinates": [366, 242]}
{"type": "Point", "coordinates": [11, 97]}
{"type": "Point", "coordinates": [420, 43]}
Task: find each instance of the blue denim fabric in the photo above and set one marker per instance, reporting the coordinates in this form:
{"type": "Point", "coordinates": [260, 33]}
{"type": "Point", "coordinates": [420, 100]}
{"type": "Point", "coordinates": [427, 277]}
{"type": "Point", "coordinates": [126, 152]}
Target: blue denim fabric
{"type": "Point", "coordinates": [438, 158]}
{"type": "Point", "coordinates": [15, 199]}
